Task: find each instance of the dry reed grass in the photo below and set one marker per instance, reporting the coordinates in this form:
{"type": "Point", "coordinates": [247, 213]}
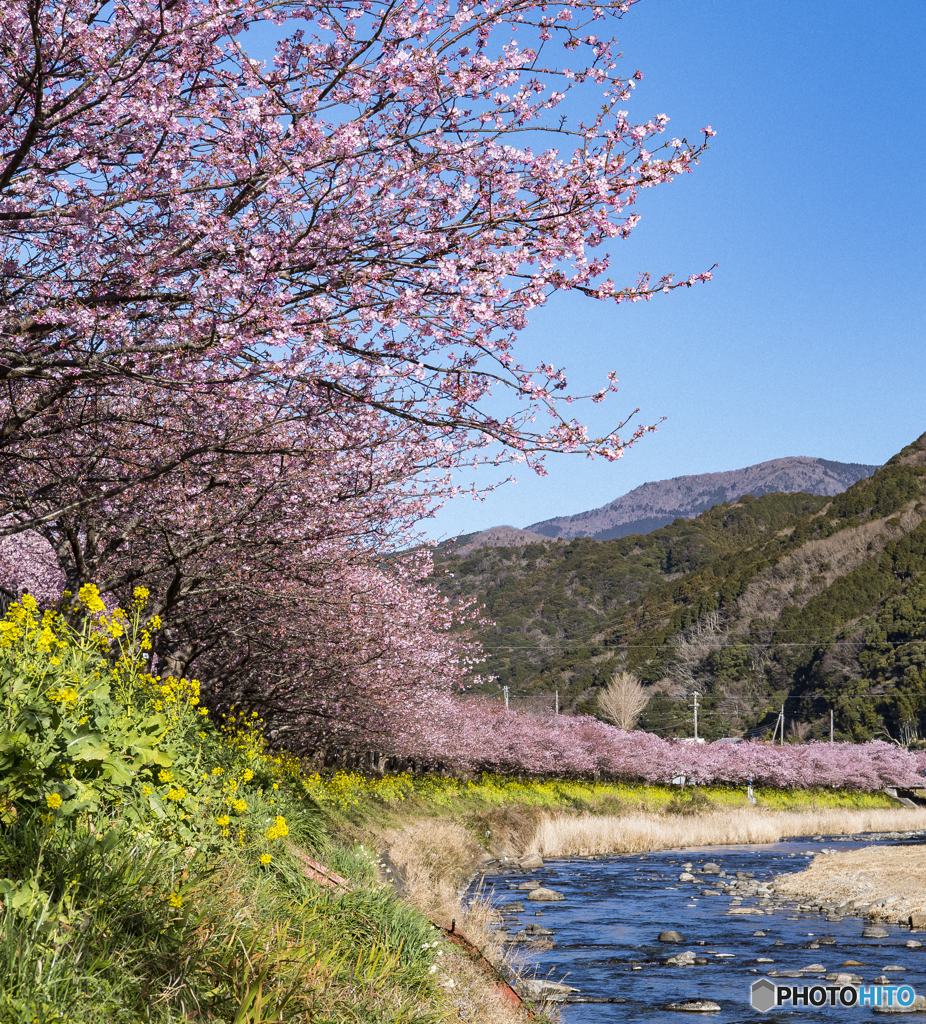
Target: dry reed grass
{"type": "Point", "coordinates": [437, 858]}
{"type": "Point", "coordinates": [896, 875]}
{"type": "Point", "coordinates": [562, 836]}
{"type": "Point", "coordinates": [472, 995]}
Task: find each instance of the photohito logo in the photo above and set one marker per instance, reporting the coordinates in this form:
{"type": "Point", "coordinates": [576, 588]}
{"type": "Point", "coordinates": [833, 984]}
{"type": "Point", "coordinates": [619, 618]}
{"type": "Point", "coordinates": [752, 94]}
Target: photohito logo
{"type": "Point", "coordinates": [766, 995]}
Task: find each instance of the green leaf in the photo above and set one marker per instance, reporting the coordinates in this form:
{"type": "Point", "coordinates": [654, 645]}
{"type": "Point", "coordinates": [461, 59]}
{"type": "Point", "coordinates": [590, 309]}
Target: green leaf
{"type": "Point", "coordinates": [92, 747]}
{"type": "Point", "coordinates": [155, 724]}
{"type": "Point", "coordinates": [12, 742]}
{"type": "Point", "coordinates": [118, 771]}
{"type": "Point", "coordinates": [151, 755]}
{"type": "Point", "coordinates": [157, 805]}
{"type": "Point", "coordinates": [109, 841]}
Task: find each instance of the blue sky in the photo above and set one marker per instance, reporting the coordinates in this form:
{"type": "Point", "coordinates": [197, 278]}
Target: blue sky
{"type": "Point", "coordinates": [810, 338]}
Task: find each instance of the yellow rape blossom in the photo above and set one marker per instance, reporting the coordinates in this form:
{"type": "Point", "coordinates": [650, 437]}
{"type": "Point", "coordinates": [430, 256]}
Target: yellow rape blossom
{"type": "Point", "coordinates": [53, 800]}
{"type": "Point", "coordinates": [89, 597]}
{"type": "Point", "coordinates": [278, 829]}
{"type": "Point", "coordinates": [66, 696]}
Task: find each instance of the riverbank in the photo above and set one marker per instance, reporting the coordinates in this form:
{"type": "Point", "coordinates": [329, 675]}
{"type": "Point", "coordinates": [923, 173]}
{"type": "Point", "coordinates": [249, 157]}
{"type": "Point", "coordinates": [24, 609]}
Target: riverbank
{"type": "Point", "coordinates": [566, 836]}
{"type": "Point", "coordinates": [433, 860]}
{"type": "Point", "coordinates": [883, 883]}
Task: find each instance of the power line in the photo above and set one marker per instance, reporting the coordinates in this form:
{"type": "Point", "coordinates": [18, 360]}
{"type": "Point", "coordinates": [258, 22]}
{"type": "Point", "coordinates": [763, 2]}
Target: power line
{"type": "Point", "coordinates": [565, 645]}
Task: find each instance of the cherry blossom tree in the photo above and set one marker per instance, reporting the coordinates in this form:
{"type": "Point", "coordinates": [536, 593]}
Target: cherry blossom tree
{"type": "Point", "coordinates": [272, 564]}
{"type": "Point", "coordinates": [367, 214]}
{"type": "Point", "coordinates": [250, 311]}
{"type": "Point", "coordinates": [28, 563]}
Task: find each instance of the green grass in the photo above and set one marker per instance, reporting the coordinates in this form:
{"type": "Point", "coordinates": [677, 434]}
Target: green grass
{"type": "Point", "coordinates": [94, 931]}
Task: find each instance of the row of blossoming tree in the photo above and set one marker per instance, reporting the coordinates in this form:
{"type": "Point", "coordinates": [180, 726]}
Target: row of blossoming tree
{"type": "Point", "coordinates": [263, 262]}
{"type": "Point", "coordinates": [481, 735]}
{"type": "Point", "coordinates": [472, 737]}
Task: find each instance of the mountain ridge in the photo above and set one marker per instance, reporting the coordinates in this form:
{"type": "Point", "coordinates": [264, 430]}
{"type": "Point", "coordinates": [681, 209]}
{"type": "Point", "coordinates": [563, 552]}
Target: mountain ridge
{"type": "Point", "coordinates": [660, 502]}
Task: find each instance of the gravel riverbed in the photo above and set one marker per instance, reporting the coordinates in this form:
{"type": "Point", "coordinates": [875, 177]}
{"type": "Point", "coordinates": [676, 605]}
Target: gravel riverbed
{"type": "Point", "coordinates": [819, 907]}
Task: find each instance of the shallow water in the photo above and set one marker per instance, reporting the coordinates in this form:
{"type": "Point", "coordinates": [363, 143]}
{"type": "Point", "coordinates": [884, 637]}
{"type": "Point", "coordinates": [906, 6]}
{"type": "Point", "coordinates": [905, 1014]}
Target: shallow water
{"type": "Point", "coordinates": [615, 907]}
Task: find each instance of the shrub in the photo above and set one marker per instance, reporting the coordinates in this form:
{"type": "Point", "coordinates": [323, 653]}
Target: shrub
{"type": "Point", "coordinates": [88, 729]}
{"type": "Point", "coordinates": [145, 863]}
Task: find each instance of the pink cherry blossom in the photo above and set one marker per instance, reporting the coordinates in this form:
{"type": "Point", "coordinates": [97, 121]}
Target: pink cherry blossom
{"type": "Point", "coordinates": [252, 310]}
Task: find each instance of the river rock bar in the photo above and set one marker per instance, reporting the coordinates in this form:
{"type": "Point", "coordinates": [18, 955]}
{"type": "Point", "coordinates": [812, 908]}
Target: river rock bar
{"type": "Point", "coordinates": [883, 883]}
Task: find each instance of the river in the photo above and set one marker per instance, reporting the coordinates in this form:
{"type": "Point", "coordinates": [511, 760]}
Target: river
{"type": "Point", "coordinates": [605, 932]}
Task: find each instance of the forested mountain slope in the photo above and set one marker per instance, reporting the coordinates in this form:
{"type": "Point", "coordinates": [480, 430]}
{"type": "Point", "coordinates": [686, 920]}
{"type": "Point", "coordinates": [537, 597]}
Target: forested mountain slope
{"type": "Point", "coordinates": [815, 602]}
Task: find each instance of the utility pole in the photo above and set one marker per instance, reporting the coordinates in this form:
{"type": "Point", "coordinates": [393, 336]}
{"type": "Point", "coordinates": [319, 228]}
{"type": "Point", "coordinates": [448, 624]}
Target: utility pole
{"type": "Point", "coordinates": [696, 695]}
{"type": "Point", "coordinates": [505, 691]}
{"type": "Point", "coordinates": [779, 722]}
{"type": "Point", "coordinates": [831, 725]}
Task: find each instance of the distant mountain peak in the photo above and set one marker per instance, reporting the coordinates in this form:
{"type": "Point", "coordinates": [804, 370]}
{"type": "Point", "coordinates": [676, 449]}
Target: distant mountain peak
{"type": "Point", "coordinates": [656, 504]}
{"type": "Point", "coordinates": [498, 537]}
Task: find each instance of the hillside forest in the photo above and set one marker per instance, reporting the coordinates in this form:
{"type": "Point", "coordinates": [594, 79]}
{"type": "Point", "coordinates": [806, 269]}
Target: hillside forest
{"type": "Point", "coordinates": [809, 603]}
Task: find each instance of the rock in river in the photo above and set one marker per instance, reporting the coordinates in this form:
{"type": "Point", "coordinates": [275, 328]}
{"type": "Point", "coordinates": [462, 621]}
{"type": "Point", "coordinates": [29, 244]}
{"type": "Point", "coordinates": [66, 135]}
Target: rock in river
{"type": "Point", "coordinates": [682, 960]}
{"type": "Point", "coordinates": [917, 1006]}
{"type": "Point", "coordinates": [874, 932]}
{"type": "Point", "coordinates": [694, 1006]}
{"type": "Point", "coordinates": [670, 936]}
{"type": "Point", "coordinates": [546, 895]}
{"type": "Point", "coordinates": [540, 991]}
